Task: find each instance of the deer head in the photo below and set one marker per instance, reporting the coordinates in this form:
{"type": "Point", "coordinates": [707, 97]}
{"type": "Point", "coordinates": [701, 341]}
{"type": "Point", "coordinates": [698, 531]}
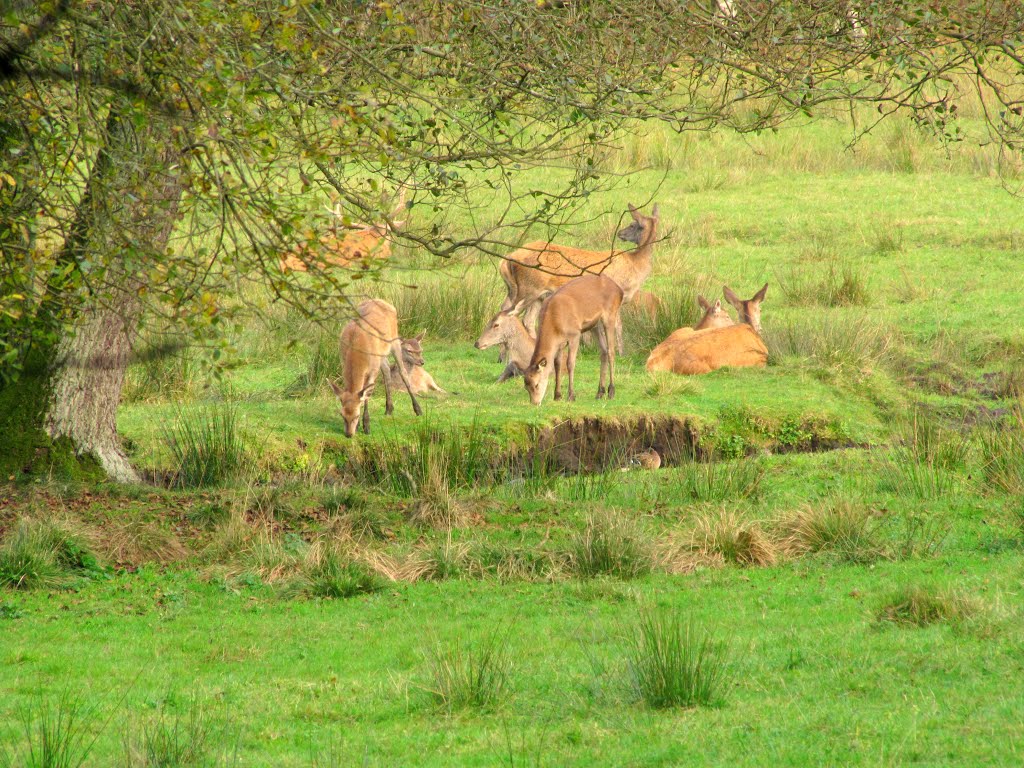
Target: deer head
{"type": "Point", "coordinates": [642, 228]}
{"type": "Point", "coordinates": [749, 310]}
{"type": "Point", "coordinates": [714, 315]}
{"type": "Point", "coordinates": [351, 405]}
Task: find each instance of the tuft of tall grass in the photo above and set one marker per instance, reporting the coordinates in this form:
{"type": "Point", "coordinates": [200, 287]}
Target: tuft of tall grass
{"type": "Point", "coordinates": [163, 374]}
{"type": "Point", "coordinates": [610, 544]}
{"type": "Point", "coordinates": [674, 663]}
{"type": "Point", "coordinates": [678, 308]}
{"type": "Point", "coordinates": [735, 540]}
{"type": "Point", "coordinates": [921, 606]}
{"type": "Point", "coordinates": [54, 734]}
{"type": "Point", "coordinates": [926, 459]}
{"type": "Point", "coordinates": [1002, 454]}
{"type": "Point", "coordinates": [170, 741]}
{"type": "Point", "coordinates": [589, 486]}
{"type": "Point", "coordinates": [329, 572]}
{"type": "Point", "coordinates": [450, 307]}
{"type": "Point", "coordinates": [322, 363]}
{"type": "Point", "coordinates": [207, 446]}
{"type": "Point", "coordinates": [469, 676]}
{"type": "Point", "coordinates": [661, 385]}
{"type": "Point", "coordinates": [837, 526]}
{"type": "Point", "coordinates": [837, 286]}
{"type": "Point", "coordinates": [837, 342]}
{"type": "Point", "coordinates": [45, 554]}
{"type": "Point", "coordinates": [721, 480]}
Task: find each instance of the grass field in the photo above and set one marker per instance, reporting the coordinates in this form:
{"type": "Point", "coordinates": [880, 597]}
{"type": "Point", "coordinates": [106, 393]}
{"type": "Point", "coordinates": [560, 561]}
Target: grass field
{"type": "Point", "coordinates": [826, 571]}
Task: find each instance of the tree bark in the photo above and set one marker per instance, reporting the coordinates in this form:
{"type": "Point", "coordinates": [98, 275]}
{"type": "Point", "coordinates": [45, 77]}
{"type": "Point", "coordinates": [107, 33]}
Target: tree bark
{"type": "Point", "coordinates": [126, 219]}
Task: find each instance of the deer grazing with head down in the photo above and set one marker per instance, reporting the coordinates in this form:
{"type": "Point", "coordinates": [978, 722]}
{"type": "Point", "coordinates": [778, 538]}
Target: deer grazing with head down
{"type": "Point", "coordinates": [541, 267]}
{"type": "Point", "coordinates": [366, 343]}
{"type": "Point", "coordinates": [412, 355]}
{"type": "Point", "coordinates": [591, 301]}
{"type": "Point", "coordinates": [718, 344]}
{"type": "Point", "coordinates": [341, 244]}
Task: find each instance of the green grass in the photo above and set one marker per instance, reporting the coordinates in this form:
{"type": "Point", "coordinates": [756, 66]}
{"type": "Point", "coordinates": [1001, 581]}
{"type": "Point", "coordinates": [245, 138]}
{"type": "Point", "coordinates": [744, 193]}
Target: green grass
{"type": "Point", "coordinates": [295, 600]}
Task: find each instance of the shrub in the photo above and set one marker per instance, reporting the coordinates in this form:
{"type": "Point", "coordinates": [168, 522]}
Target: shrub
{"type": "Point", "coordinates": [464, 676]}
{"type": "Point", "coordinates": [610, 544]}
{"type": "Point", "coordinates": [206, 445]}
{"type": "Point", "coordinates": [676, 664]}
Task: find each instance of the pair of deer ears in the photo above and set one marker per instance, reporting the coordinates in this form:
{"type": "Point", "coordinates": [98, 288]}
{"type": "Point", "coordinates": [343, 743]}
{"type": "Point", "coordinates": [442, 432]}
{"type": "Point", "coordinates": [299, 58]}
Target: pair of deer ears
{"type": "Point", "coordinates": [706, 305]}
{"type": "Point", "coordinates": [339, 391]}
{"type": "Point", "coordinates": [635, 212]}
{"type": "Point", "coordinates": [737, 302]}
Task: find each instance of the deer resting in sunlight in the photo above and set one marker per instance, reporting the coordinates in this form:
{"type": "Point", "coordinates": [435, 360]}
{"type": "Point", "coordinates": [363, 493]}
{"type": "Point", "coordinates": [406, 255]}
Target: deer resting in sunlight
{"type": "Point", "coordinates": [591, 301]}
{"type": "Point", "coordinates": [366, 343]}
{"type": "Point", "coordinates": [412, 354]}
{"type": "Point", "coordinates": [342, 245]}
{"type": "Point", "coordinates": [509, 333]}
{"type": "Point", "coordinates": [715, 342]}
{"type": "Point", "coordinates": [540, 267]}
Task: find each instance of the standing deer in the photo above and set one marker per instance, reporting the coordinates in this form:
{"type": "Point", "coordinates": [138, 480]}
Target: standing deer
{"type": "Point", "coordinates": [366, 343]}
{"type": "Point", "coordinates": [715, 342]}
{"type": "Point", "coordinates": [540, 267]}
{"type": "Point", "coordinates": [587, 302]}
{"type": "Point", "coordinates": [412, 355]}
{"type": "Point", "coordinates": [341, 245]}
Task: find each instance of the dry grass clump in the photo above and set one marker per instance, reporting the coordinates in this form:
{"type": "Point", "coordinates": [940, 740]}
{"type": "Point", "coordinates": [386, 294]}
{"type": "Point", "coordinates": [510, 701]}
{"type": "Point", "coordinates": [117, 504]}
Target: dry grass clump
{"type": "Point", "coordinates": [610, 544]}
{"type": "Point", "coordinates": [677, 556]}
{"type": "Point", "coordinates": [837, 526]}
{"type": "Point", "coordinates": [328, 570]}
{"type": "Point", "coordinates": [134, 542]}
{"type": "Point", "coordinates": [727, 535]}
{"type": "Point", "coordinates": [445, 559]}
{"type": "Point", "coordinates": [46, 553]}
{"type": "Point", "coordinates": [920, 606]}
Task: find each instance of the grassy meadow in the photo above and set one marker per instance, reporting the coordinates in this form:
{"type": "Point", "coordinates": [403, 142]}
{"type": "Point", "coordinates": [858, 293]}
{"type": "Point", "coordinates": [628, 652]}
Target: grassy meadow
{"type": "Point", "coordinates": [826, 569]}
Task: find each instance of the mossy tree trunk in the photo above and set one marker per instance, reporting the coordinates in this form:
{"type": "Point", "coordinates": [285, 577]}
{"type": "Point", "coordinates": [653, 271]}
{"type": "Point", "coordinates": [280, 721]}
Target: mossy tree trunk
{"type": "Point", "coordinates": [72, 389]}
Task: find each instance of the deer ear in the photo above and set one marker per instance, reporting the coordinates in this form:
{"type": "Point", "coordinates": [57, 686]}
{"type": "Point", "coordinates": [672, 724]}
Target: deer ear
{"type": "Point", "coordinates": [732, 298]}
{"type": "Point", "coordinates": [633, 211]}
{"type": "Point", "coordinates": [420, 335]}
{"type": "Point", "coordinates": [337, 390]}
{"type": "Point", "coordinates": [759, 296]}
{"type": "Point", "coordinates": [364, 393]}
{"type": "Point", "coordinates": [703, 303]}
{"type": "Point", "coordinates": [518, 307]}
{"type": "Point", "coordinates": [654, 211]}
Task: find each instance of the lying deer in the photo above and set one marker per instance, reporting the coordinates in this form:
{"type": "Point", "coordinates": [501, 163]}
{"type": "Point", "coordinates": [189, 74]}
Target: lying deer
{"type": "Point", "coordinates": [366, 343]}
{"type": "Point", "coordinates": [591, 301]}
{"type": "Point", "coordinates": [541, 267]}
{"type": "Point", "coordinates": [507, 331]}
{"type": "Point", "coordinates": [704, 349]}
{"type": "Point", "coordinates": [341, 245]}
{"type": "Point", "coordinates": [412, 355]}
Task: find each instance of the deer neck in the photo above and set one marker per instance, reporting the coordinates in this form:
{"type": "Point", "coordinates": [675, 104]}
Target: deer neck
{"type": "Point", "coordinates": [520, 343]}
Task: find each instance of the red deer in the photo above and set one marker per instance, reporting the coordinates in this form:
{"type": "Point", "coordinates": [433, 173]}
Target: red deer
{"type": "Point", "coordinates": [412, 354]}
{"type": "Point", "coordinates": [366, 343]}
{"type": "Point", "coordinates": [541, 267]}
{"type": "Point", "coordinates": [590, 301]}
{"type": "Point", "coordinates": [704, 349]}
{"type": "Point", "coordinates": [506, 330]}
{"type": "Point", "coordinates": [341, 245]}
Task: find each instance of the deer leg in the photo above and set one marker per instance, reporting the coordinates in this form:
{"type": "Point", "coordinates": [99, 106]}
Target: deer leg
{"type": "Point", "coordinates": [602, 345]}
{"type": "Point", "coordinates": [508, 373]}
{"type": "Point", "coordinates": [619, 337]}
{"type": "Point", "coordinates": [366, 416]}
{"type": "Point", "coordinates": [396, 350]}
{"type": "Point", "coordinates": [385, 373]}
{"type": "Point", "coordinates": [615, 330]}
{"type": "Point", "coordinates": [558, 374]}
{"type": "Point", "coordinates": [574, 347]}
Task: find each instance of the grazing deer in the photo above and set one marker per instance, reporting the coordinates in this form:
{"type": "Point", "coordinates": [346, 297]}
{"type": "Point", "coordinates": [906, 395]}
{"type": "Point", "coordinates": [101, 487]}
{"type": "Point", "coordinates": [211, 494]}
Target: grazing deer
{"type": "Point", "coordinates": [366, 343]}
{"type": "Point", "coordinates": [540, 267]}
{"type": "Point", "coordinates": [341, 245]}
{"type": "Point", "coordinates": [506, 330]}
{"type": "Point", "coordinates": [715, 341]}
{"type": "Point", "coordinates": [587, 302]}
{"type": "Point", "coordinates": [412, 355]}
{"type": "Point", "coordinates": [749, 310]}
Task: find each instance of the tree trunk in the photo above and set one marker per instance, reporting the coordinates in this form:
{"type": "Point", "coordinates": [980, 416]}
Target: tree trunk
{"type": "Point", "coordinates": [126, 217]}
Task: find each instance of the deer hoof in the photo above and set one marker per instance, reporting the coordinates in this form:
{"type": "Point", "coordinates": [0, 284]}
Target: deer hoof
{"type": "Point", "coordinates": [572, 397]}
{"type": "Point", "coordinates": [600, 393]}
{"type": "Point", "coordinates": [558, 395]}
{"type": "Point", "coordinates": [417, 410]}
{"type": "Point", "coordinates": [611, 391]}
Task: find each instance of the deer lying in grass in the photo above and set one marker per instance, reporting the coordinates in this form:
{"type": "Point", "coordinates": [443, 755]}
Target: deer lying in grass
{"type": "Point", "coordinates": [714, 342]}
{"type": "Point", "coordinates": [341, 245]}
{"type": "Point", "coordinates": [412, 355]}
{"type": "Point", "coordinates": [366, 343]}
{"type": "Point", "coordinates": [541, 267]}
{"type": "Point", "coordinates": [591, 301]}
{"type": "Point", "coordinates": [507, 331]}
